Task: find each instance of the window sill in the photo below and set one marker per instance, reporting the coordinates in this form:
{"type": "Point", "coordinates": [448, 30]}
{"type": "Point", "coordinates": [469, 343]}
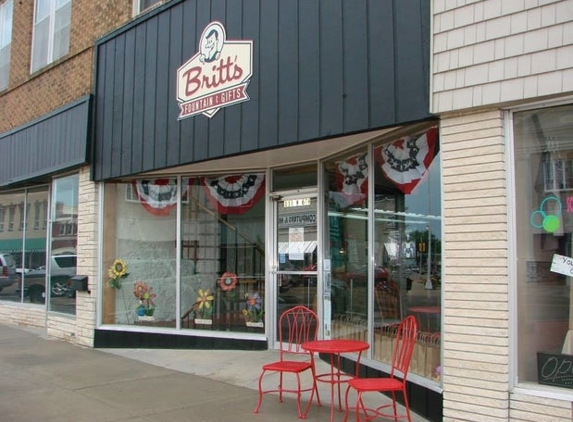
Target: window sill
{"type": "Point", "coordinates": [546, 391]}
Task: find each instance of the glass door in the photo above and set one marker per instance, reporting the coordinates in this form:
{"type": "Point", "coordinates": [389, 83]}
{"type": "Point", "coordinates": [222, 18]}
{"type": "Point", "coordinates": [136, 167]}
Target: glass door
{"type": "Point", "coordinates": [295, 249]}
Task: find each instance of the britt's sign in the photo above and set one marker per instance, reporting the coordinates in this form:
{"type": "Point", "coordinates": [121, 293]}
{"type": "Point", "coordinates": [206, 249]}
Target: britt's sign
{"type": "Point", "coordinates": [217, 76]}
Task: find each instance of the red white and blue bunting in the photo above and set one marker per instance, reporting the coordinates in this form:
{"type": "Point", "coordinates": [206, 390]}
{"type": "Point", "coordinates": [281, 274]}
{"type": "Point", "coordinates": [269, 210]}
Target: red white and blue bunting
{"type": "Point", "coordinates": [234, 194]}
{"type": "Point", "coordinates": [159, 196]}
{"type": "Point", "coordinates": [352, 181]}
{"type": "Point", "coordinates": [405, 162]}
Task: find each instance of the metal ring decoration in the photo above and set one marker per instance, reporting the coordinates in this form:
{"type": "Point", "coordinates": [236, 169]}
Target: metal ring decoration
{"type": "Point", "coordinates": [228, 281]}
{"type": "Point", "coordinates": [549, 223]}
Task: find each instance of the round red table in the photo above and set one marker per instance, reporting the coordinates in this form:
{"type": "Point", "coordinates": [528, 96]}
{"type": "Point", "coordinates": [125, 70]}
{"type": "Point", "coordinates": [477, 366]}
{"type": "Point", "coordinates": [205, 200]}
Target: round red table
{"type": "Point", "coordinates": [335, 348]}
{"type": "Point", "coordinates": [426, 310]}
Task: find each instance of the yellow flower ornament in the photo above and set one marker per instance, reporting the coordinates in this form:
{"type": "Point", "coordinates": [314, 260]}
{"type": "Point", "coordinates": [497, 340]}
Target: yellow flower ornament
{"type": "Point", "coordinates": [204, 299]}
{"type": "Point", "coordinates": [203, 306]}
{"type": "Point", "coordinates": [116, 273]}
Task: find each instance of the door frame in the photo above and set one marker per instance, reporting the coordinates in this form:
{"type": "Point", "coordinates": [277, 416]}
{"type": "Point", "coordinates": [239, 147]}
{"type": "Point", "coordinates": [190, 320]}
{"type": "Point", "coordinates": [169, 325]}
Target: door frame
{"type": "Point", "coordinates": [273, 261]}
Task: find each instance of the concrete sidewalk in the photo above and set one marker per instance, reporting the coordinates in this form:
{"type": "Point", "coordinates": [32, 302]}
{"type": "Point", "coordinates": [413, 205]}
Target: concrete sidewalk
{"type": "Point", "coordinates": [47, 380]}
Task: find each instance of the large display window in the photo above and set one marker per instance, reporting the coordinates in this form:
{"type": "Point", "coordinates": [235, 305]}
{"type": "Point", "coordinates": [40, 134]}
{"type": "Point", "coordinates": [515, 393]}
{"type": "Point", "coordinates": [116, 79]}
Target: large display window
{"type": "Point", "coordinates": [543, 151]}
{"type": "Point", "coordinates": [63, 246]}
{"type": "Point", "coordinates": [391, 268]}
{"type": "Point", "coordinates": [185, 253]}
{"type": "Point", "coordinates": [24, 228]}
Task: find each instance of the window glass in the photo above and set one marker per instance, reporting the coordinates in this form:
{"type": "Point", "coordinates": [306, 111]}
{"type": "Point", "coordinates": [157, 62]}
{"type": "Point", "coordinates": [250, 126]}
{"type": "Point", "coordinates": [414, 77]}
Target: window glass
{"type": "Point", "coordinates": [222, 254]}
{"type": "Point", "coordinates": [42, 10]}
{"type": "Point", "coordinates": [405, 276]}
{"type": "Point", "coordinates": [142, 5]}
{"type": "Point", "coordinates": [543, 146]}
{"type": "Point", "coordinates": [140, 253]}
{"type": "Point", "coordinates": [347, 244]}
{"type": "Point", "coordinates": [219, 282]}
{"type": "Point", "coordinates": [62, 30]}
{"type": "Point", "coordinates": [26, 248]}
{"type": "Point", "coordinates": [294, 178]}
{"type": "Point", "coordinates": [5, 42]}
{"type": "Point", "coordinates": [11, 242]}
{"type": "Point", "coordinates": [63, 245]}
{"type": "Point", "coordinates": [51, 38]}
{"type": "Point", "coordinates": [33, 265]}
{"type": "Point", "coordinates": [407, 233]}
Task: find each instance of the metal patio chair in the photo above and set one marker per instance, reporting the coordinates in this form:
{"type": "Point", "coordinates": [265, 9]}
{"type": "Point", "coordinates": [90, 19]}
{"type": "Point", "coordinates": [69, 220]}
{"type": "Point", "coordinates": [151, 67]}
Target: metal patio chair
{"type": "Point", "coordinates": [396, 382]}
{"type": "Point", "coordinates": [296, 326]}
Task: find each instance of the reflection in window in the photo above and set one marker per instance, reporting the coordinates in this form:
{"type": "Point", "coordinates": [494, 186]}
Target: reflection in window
{"type": "Point", "coordinates": [543, 145]}
{"type": "Point", "coordinates": [21, 211]}
{"type": "Point", "coordinates": [11, 216]}
{"type": "Point", "coordinates": [348, 244]}
{"type": "Point", "coordinates": [64, 244]}
{"type": "Point", "coordinates": [405, 278]}
{"type": "Point", "coordinates": [26, 248]}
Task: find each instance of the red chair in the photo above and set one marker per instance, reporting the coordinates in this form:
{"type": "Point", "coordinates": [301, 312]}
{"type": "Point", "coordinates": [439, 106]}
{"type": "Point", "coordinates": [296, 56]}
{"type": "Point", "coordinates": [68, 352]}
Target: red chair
{"type": "Point", "coordinates": [296, 326]}
{"type": "Point", "coordinates": [402, 355]}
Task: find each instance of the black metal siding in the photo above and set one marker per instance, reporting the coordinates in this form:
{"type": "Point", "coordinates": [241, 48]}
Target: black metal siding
{"type": "Point", "coordinates": [55, 142]}
{"type": "Point", "coordinates": [320, 69]}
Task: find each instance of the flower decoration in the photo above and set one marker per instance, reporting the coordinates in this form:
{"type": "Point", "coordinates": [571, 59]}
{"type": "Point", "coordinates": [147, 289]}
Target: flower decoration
{"type": "Point", "coordinates": [146, 297]}
{"type": "Point", "coordinates": [254, 309]}
{"type": "Point", "coordinates": [203, 306]}
{"type": "Point", "coordinates": [228, 282]}
{"type": "Point", "coordinates": [116, 273]}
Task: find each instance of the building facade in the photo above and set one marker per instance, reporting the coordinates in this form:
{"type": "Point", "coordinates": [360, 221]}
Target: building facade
{"type": "Point", "coordinates": [255, 156]}
{"type": "Point", "coordinates": [501, 85]}
{"type": "Point", "coordinates": [208, 164]}
{"type": "Point", "coordinates": [46, 225]}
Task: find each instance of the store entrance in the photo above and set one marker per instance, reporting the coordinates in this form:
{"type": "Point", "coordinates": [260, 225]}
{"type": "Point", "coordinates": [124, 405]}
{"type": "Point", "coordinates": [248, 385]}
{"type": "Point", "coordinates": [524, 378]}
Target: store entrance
{"type": "Point", "coordinates": [295, 248]}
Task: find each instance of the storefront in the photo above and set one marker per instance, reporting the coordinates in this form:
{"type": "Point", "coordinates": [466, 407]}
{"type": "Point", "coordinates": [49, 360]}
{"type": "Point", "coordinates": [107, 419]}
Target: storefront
{"type": "Point", "coordinates": [41, 167]}
{"type": "Point", "coordinates": [255, 157]}
{"type": "Point", "coordinates": [501, 86]}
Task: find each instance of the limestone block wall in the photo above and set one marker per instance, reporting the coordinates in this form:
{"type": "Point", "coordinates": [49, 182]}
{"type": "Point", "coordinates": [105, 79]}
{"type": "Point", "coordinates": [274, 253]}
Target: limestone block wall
{"type": "Point", "coordinates": [23, 314]}
{"type": "Point", "coordinates": [86, 302]}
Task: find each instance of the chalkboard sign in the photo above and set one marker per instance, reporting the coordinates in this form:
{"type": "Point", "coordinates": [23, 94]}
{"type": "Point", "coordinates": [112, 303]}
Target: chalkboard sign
{"type": "Point", "coordinates": [554, 369]}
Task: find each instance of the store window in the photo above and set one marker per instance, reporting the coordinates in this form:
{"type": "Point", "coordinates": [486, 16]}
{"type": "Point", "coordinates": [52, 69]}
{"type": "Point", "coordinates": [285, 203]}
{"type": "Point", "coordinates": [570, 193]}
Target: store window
{"type": "Point", "coordinates": [404, 246]}
{"type": "Point", "coordinates": [51, 36]}
{"type": "Point", "coordinates": [24, 281]}
{"type": "Point", "coordinates": [63, 250]}
{"type": "Point", "coordinates": [140, 6]}
{"type": "Point", "coordinates": [5, 42]}
{"type": "Point", "coordinates": [543, 150]}
{"type": "Point", "coordinates": [347, 244]}
{"type": "Point", "coordinates": [216, 284]}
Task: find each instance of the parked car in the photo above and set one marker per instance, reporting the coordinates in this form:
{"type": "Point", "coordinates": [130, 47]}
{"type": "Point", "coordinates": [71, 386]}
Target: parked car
{"type": "Point", "coordinates": [63, 267]}
{"type": "Point", "coordinates": [8, 275]}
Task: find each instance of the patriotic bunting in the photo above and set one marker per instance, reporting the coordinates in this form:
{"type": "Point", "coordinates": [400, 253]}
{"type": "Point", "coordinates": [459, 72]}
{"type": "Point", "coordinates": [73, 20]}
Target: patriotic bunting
{"type": "Point", "coordinates": [234, 194]}
{"type": "Point", "coordinates": [158, 196]}
{"type": "Point", "coordinates": [405, 161]}
{"type": "Point", "coordinates": [352, 181]}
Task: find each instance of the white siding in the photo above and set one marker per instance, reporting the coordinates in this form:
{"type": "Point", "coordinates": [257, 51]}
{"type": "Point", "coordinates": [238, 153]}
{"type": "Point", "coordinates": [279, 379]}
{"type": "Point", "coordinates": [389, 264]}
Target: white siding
{"type": "Point", "coordinates": [475, 272]}
{"type": "Point", "coordinates": [494, 52]}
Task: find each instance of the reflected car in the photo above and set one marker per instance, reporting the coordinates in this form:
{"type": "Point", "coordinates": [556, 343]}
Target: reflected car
{"type": "Point", "coordinates": [63, 268]}
{"type": "Point", "coordinates": [8, 274]}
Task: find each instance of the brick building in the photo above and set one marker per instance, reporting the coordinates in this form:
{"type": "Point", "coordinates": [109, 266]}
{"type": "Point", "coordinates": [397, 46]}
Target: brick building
{"type": "Point", "coordinates": [46, 85]}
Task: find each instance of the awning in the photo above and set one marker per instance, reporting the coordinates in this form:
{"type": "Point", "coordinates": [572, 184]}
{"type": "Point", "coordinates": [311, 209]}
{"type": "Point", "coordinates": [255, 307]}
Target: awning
{"type": "Point", "coordinates": [15, 245]}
